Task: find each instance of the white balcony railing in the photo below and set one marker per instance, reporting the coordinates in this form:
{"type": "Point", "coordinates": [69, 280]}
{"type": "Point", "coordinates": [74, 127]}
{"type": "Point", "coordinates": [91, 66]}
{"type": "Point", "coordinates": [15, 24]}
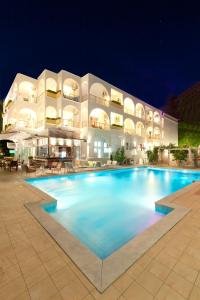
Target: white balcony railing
{"type": "Point", "coordinates": [71, 97]}
{"type": "Point", "coordinates": [129, 131]}
{"type": "Point", "coordinates": [129, 111]}
{"type": "Point", "coordinates": [99, 125]}
{"type": "Point", "coordinates": [70, 123]}
{"type": "Point", "coordinates": [99, 100]}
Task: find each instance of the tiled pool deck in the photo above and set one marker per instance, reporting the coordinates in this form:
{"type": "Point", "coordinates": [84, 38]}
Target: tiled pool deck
{"type": "Point", "coordinates": [33, 266]}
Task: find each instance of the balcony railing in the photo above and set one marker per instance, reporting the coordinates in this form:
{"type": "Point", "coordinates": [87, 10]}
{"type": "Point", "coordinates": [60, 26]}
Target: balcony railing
{"type": "Point", "coordinates": [70, 123]}
{"type": "Point", "coordinates": [157, 136]}
{"type": "Point", "coordinates": [129, 131]}
{"type": "Point", "coordinates": [140, 116]}
{"type": "Point", "coordinates": [99, 100]}
{"type": "Point", "coordinates": [53, 94]}
{"type": "Point", "coordinates": [53, 121]}
{"type": "Point", "coordinates": [128, 111]}
{"type": "Point", "coordinates": [117, 126]}
{"type": "Point", "coordinates": [117, 103]}
{"type": "Point", "coordinates": [99, 125]}
{"type": "Point", "coordinates": [71, 97]}
{"type": "Point", "coordinates": [28, 99]}
{"type": "Point", "coordinates": [20, 124]}
{"type": "Point", "coordinates": [9, 127]}
{"type": "Point", "coordinates": [153, 137]}
{"type": "Point", "coordinates": [158, 122]}
{"type": "Point", "coordinates": [9, 104]}
{"type": "Point", "coordinates": [140, 133]}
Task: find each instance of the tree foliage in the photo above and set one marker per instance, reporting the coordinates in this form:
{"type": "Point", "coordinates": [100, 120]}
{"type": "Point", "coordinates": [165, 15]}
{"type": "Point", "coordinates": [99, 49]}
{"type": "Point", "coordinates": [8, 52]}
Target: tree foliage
{"type": "Point", "coordinates": [152, 155]}
{"type": "Point", "coordinates": [180, 155]}
{"type": "Point", "coordinates": [188, 134]}
{"type": "Point", "coordinates": [119, 155]}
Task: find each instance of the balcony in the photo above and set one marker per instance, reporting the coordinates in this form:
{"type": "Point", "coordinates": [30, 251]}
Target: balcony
{"type": "Point", "coordinates": [117, 126]}
{"type": "Point", "coordinates": [153, 137]}
{"type": "Point", "coordinates": [99, 100]}
{"type": "Point", "coordinates": [129, 131]}
{"type": "Point", "coordinates": [71, 97]}
{"type": "Point", "coordinates": [53, 94]}
{"type": "Point", "coordinates": [26, 98]}
{"type": "Point", "coordinates": [9, 104]}
{"type": "Point", "coordinates": [128, 111]}
{"type": "Point", "coordinates": [20, 125]}
{"type": "Point", "coordinates": [70, 123]}
{"type": "Point", "coordinates": [117, 103]}
{"type": "Point", "coordinates": [9, 127]}
{"type": "Point", "coordinates": [99, 125]}
{"type": "Point", "coordinates": [53, 121]}
{"type": "Point", "coordinates": [157, 136]}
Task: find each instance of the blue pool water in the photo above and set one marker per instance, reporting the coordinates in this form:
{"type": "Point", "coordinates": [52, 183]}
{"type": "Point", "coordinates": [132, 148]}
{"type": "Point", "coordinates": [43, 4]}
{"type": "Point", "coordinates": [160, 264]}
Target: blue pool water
{"type": "Point", "coordinates": [105, 209]}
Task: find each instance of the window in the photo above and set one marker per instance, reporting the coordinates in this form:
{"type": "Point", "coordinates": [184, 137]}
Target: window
{"type": "Point", "coordinates": [97, 148]}
{"type": "Point", "coordinates": [106, 148]}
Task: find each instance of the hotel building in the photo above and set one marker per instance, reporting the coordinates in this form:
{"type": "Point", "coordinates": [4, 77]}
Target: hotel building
{"type": "Point", "coordinates": [61, 115]}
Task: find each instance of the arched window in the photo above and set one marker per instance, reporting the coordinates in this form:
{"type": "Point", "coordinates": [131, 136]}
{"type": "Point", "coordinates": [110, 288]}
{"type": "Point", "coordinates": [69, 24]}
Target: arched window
{"type": "Point", "coordinates": [140, 128]}
{"type": "Point", "coordinates": [156, 117]}
{"type": "Point", "coordinates": [99, 119]}
{"type": "Point", "coordinates": [140, 111]}
{"type": "Point", "coordinates": [99, 94]}
{"type": "Point", "coordinates": [51, 85]}
{"type": "Point", "coordinates": [129, 126]}
{"type": "Point", "coordinates": [27, 91]}
{"type": "Point", "coordinates": [149, 132]}
{"type": "Point", "coordinates": [71, 116]}
{"type": "Point", "coordinates": [51, 112]}
{"type": "Point", "coordinates": [71, 89]}
{"type": "Point", "coordinates": [26, 118]}
{"type": "Point", "coordinates": [149, 115]}
{"type": "Point", "coordinates": [129, 106]}
{"type": "Point", "coordinates": [157, 134]}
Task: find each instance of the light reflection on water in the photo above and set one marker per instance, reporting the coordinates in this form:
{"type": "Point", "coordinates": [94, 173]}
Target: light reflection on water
{"type": "Point", "coordinates": [106, 209]}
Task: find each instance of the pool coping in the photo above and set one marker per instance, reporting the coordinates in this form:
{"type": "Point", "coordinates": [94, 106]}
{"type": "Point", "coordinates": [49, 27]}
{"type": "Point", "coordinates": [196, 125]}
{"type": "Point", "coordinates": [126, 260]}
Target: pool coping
{"type": "Point", "coordinates": [102, 273]}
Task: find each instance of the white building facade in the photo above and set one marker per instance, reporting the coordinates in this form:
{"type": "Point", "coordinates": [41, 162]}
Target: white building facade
{"type": "Point", "coordinates": [62, 115]}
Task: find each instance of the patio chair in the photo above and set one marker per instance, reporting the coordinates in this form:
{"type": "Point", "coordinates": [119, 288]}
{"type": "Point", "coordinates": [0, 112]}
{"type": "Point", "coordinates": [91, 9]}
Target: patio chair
{"type": "Point", "coordinates": [13, 165]}
{"type": "Point", "coordinates": [69, 167]}
{"type": "Point", "coordinates": [108, 163]}
{"type": "Point", "coordinates": [28, 170]}
{"type": "Point", "coordinates": [58, 167]}
{"type": "Point", "coordinates": [53, 166]}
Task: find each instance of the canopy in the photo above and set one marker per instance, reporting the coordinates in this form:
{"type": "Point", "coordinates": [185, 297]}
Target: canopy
{"type": "Point", "coordinates": [14, 136]}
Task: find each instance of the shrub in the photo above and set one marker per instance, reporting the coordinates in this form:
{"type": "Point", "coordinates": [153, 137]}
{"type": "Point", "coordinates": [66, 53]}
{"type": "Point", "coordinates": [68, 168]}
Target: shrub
{"type": "Point", "coordinates": [119, 155]}
{"type": "Point", "coordinates": [179, 155]}
{"type": "Point", "coordinates": [152, 155]}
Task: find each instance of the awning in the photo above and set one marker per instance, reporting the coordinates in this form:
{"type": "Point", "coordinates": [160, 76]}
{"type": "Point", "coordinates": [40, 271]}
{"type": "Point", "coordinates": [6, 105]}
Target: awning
{"type": "Point", "coordinates": [14, 136]}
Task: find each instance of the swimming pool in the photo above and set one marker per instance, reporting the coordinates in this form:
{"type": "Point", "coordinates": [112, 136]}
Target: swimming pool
{"type": "Point", "coordinates": [106, 209]}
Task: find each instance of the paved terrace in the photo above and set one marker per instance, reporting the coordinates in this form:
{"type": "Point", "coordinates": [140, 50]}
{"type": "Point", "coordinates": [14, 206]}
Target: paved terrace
{"type": "Point", "coordinates": [33, 266]}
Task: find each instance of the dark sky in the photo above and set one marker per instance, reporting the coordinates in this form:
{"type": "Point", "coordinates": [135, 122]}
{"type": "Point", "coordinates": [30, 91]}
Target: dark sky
{"type": "Point", "coordinates": [149, 49]}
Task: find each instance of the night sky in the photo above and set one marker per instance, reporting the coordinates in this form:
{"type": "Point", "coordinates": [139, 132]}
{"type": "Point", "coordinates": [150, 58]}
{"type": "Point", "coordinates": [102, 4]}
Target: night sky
{"type": "Point", "coordinates": [148, 49]}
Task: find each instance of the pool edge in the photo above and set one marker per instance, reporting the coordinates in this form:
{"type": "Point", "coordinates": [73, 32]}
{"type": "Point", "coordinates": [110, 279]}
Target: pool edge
{"type": "Point", "coordinates": [103, 273]}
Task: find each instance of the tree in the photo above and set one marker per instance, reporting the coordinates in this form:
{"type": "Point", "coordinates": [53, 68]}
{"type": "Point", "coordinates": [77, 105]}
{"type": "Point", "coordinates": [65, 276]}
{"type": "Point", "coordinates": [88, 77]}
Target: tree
{"type": "Point", "coordinates": [179, 155]}
{"type": "Point", "coordinates": [119, 155]}
{"type": "Point", "coordinates": [153, 155]}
